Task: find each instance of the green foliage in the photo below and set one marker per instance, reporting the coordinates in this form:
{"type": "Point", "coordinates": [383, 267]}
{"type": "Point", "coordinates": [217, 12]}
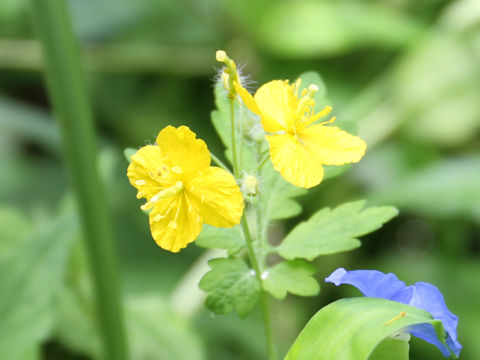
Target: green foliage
{"type": "Point", "coordinates": [230, 284]}
{"type": "Point", "coordinates": [30, 276]}
{"type": "Point", "coordinates": [277, 195]}
{"type": "Point", "coordinates": [331, 231]}
{"type": "Point", "coordinates": [391, 349]}
{"type": "Point", "coordinates": [14, 229]}
{"type": "Point", "coordinates": [350, 329]}
{"type": "Point", "coordinates": [292, 276]}
{"type": "Point", "coordinates": [229, 239]}
{"type": "Point", "coordinates": [444, 188]}
{"type": "Point", "coordinates": [128, 152]}
{"type": "Point", "coordinates": [152, 326]}
{"type": "Point", "coordinates": [313, 28]}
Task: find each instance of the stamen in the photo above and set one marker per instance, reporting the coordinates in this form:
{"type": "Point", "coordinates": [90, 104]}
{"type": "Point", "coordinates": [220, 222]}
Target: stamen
{"type": "Point", "coordinates": [324, 112]}
{"type": "Point", "coordinates": [399, 316]}
{"type": "Point", "coordinates": [140, 182]}
{"type": "Point", "coordinates": [163, 194]}
{"type": "Point", "coordinates": [177, 169]}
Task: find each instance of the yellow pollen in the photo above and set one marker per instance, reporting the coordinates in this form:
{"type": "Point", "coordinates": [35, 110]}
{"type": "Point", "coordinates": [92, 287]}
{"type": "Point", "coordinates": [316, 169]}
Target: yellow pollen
{"type": "Point", "coordinates": [177, 169]}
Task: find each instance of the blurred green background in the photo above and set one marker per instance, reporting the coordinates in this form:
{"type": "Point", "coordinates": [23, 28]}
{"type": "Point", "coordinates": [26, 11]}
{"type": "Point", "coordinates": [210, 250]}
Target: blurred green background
{"type": "Point", "coordinates": [407, 71]}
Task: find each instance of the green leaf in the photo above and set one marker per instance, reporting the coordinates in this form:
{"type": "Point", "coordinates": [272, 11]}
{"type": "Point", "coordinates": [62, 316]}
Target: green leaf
{"type": "Point", "coordinates": [292, 276]}
{"type": "Point", "coordinates": [277, 195]}
{"type": "Point", "coordinates": [229, 239]}
{"type": "Point", "coordinates": [30, 276]}
{"type": "Point", "coordinates": [331, 231]}
{"type": "Point", "coordinates": [350, 329]}
{"type": "Point", "coordinates": [230, 284]}
{"type": "Point", "coordinates": [128, 152]}
{"type": "Point", "coordinates": [391, 349]}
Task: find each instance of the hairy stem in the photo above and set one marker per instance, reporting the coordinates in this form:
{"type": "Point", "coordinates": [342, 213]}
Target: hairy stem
{"type": "Point", "coordinates": [264, 304]}
{"type": "Point", "coordinates": [234, 148]}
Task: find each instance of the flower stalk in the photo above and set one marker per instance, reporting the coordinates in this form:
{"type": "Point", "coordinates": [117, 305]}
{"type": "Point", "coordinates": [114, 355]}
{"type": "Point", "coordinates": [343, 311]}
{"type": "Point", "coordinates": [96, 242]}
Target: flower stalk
{"type": "Point", "coordinates": [69, 99]}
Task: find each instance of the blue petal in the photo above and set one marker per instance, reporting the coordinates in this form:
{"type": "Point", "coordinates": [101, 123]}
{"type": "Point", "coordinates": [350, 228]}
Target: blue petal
{"type": "Point", "coordinates": [371, 283]}
{"type": "Point", "coordinates": [427, 297]}
{"type": "Point", "coordinates": [427, 332]}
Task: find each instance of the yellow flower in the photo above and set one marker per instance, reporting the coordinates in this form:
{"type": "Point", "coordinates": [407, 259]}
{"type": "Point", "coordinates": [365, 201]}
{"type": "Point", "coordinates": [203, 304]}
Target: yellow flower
{"type": "Point", "coordinates": [182, 190]}
{"type": "Point", "coordinates": [298, 147]}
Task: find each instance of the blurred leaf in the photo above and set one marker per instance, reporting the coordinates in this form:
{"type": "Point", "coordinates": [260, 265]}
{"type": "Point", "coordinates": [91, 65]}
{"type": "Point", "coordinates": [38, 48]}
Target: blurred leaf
{"type": "Point", "coordinates": [446, 188]}
{"type": "Point", "coordinates": [230, 284]}
{"type": "Point", "coordinates": [27, 122]}
{"type": "Point", "coordinates": [29, 278]}
{"type": "Point", "coordinates": [331, 231]}
{"type": "Point", "coordinates": [221, 238]}
{"type": "Point", "coordinates": [300, 29]}
{"type": "Point", "coordinates": [153, 328]}
{"type": "Point", "coordinates": [128, 152]}
{"type": "Point", "coordinates": [350, 329]}
{"type": "Point", "coordinates": [439, 100]}
{"type": "Point", "coordinates": [391, 349]}
{"type": "Point", "coordinates": [292, 276]}
{"type": "Point", "coordinates": [277, 195]}
{"type": "Point", "coordinates": [156, 333]}
{"type": "Point", "coordinates": [14, 228]}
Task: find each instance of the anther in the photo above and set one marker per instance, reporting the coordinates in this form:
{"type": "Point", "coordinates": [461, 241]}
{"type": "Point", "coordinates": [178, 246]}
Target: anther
{"type": "Point", "coordinates": [140, 182]}
{"type": "Point", "coordinates": [177, 169]}
{"type": "Point", "coordinates": [220, 56]}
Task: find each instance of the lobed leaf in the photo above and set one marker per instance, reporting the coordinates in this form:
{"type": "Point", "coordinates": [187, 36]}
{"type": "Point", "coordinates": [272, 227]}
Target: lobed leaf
{"type": "Point", "coordinates": [230, 284]}
{"type": "Point", "coordinates": [331, 231]}
{"type": "Point", "coordinates": [229, 239]}
{"type": "Point", "coordinates": [294, 277]}
{"type": "Point", "coordinates": [277, 195]}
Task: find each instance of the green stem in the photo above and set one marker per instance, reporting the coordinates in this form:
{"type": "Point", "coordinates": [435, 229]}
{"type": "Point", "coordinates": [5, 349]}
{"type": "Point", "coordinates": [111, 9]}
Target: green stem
{"type": "Point", "coordinates": [69, 99]}
{"type": "Point", "coordinates": [217, 161]}
{"type": "Point", "coordinates": [234, 148]}
{"type": "Point", "coordinates": [264, 304]}
{"type": "Point", "coordinates": [264, 161]}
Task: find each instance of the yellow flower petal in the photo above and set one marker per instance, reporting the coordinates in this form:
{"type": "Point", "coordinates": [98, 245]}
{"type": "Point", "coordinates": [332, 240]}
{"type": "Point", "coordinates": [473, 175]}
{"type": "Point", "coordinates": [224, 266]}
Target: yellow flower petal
{"type": "Point", "coordinates": [217, 197]}
{"type": "Point", "coordinates": [296, 164]}
{"type": "Point", "coordinates": [332, 145]}
{"type": "Point", "coordinates": [147, 163]}
{"type": "Point", "coordinates": [246, 98]}
{"type": "Point", "coordinates": [175, 223]}
{"type": "Point", "coordinates": [186, 154]}
{"type": "Point", "coordinates": [276, 102]}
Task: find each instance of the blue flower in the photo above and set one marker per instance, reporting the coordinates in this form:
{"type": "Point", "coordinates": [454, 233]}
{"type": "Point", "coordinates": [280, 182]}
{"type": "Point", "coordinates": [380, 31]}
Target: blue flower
{"type": "Point", "coordinates": [425, 296]}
